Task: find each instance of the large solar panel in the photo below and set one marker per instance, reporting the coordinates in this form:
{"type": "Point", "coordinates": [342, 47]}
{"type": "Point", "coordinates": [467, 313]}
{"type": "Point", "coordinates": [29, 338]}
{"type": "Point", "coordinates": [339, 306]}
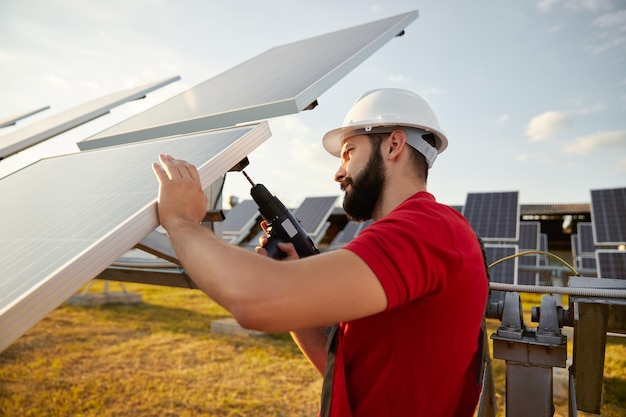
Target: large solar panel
{"type": "Point", "coordinates": [611, 263]}
{"type": "Point", "coordinates": [608, 215]}
{"type": "Point", "coordinates": [350, 230]}
{"type": "Point", "coordinates": [494, 216]}
{"type": "Point", "coordinates": [9, 121]}
{"type": "Point", "coordinates": [504, 272]}
{"type": "Point", "coordinates": [65, 219]}
{"type": "Point", "coordinates": [283, 80]}
{"type": "Point", "coordinates": [69, 119]}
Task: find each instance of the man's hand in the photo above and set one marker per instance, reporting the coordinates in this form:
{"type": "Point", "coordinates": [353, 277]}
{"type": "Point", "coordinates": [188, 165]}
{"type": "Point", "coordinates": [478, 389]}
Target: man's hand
{"type": "Point", "coordinates": [180, 192]}
{"type": "Point", "coordinates": [287, 247]}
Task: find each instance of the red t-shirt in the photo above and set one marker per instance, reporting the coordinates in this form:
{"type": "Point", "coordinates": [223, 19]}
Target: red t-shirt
{"type": "Point", "coordinates": [417, 358]}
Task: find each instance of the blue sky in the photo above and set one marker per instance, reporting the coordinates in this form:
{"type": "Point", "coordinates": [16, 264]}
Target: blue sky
{"type": "Point", "coordinates": [532, 94]}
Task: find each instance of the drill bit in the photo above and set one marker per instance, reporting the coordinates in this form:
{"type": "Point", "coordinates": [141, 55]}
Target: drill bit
{"type": "Point", "coordinates": [247, 177]}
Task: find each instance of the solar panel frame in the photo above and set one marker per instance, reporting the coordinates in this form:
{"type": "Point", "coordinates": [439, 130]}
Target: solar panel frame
{"type": "Point", "coordinates": [494, 216]}
{"type": "Point", "coordinates": [611, 263]}
{"type": "Point", "coordinates": [608, 215]}
{"type": "Point", "coordinates": [56, 238]}
{"type": "Point", "coordinates": [10, 121]}
{"type": "Point", "coordinates": [69, 119]}
{"type": "Point", "coordinates": [283, 80]}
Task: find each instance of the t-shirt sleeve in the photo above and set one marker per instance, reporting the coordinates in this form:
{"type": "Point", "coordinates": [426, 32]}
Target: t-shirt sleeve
{"type": "Point", "coordinates": [410, 258]}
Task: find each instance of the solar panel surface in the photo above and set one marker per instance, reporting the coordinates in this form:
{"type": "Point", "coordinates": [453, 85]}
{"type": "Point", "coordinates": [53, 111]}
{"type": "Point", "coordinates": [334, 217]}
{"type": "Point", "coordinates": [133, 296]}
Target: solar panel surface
{"type": "Point", "coordinates": [283, 80]}
{"type": "Point", "coordinates": [611, 263]}
{"type": "Point", "coordinates": [65, 219]}
{"type": "Point", "coordinates": [494, 216]}
{"type": "Point", "coordinates": [586, 245]}
{"type": "Point", "coordinates": [69, 119]}
{"type": "Point", "coordinates": [313, 213]}
{"type": "Point", "coordinates": [608, 215]}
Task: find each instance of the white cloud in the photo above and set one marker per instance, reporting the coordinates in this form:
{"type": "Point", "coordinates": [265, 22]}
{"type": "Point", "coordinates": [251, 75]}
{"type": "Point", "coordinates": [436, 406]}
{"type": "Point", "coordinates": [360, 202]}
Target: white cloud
{"type": "Point", "coordinates": [621, 164]}
{"type": "Point", "coordinates": [398, 78]}
{"type": "Point", "coordinates": [522, 157]}
{"type": "Point", "coordinates": [585, 144]}
{"type": "Point", "coordinates": [546, 6]}
{"type": "Point", "coordinates": [502, 120]}
{"type": "Point", "coordinates": [547, 124]}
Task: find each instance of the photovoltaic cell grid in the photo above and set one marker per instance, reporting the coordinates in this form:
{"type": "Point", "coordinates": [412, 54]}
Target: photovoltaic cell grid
{"type": "Point", "coordinates": [303, 70]}
{"type": "Point", "coordinates": [611, 263]}
{"type": "Point", "coordinates": [65, 219]}
{"type": "Point", "coordinates": [528, 240]}
{"type": "Point", "coordinates": [313, 213]}
{"type": "Point", "coordinates": [586, 244]}
{"type": "Point", "coordinates": [608, 216]}
{"type": "Point", "coordinates": [505, 272]}
{"type": "Point", "coordinates": [494, 216]}
{"type": "Point", "coordinates": [69, 119]}
{"type": "Point", "coordinates": [349, 232]}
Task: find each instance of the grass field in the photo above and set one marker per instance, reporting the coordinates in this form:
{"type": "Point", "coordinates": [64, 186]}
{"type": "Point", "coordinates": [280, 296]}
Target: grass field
{"type": "Point", "coordinates": [160, 358]}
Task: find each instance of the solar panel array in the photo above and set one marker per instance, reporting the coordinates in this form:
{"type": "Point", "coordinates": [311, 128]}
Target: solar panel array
{"type": "Point", "coordinates": [349, 232]}
{"type": "Point", "coordinates": [65, 219]}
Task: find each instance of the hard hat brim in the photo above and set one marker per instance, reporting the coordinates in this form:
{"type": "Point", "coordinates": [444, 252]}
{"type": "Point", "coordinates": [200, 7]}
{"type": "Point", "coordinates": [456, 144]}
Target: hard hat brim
{"type": "Point", "coordinates": [333, 140]}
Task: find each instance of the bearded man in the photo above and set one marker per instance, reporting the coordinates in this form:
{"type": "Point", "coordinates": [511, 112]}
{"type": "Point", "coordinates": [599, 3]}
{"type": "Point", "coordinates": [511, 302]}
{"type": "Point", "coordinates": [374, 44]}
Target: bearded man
{"type": "Point", "coordinates": [392, 320]}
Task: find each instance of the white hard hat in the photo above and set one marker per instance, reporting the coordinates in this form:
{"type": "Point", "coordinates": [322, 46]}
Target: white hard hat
{"type": "Point", "coordinates": [388, 107]}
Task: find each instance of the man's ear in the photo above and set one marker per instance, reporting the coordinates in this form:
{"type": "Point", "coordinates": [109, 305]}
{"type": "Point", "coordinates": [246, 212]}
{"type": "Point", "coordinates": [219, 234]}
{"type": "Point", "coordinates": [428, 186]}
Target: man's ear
{"type": "Point", "coordinates": [395, 143]}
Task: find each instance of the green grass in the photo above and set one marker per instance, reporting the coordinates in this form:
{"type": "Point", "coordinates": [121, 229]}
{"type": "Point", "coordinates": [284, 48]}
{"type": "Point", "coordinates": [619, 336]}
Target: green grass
{"type": "Point", "coordinates": [160, 358]}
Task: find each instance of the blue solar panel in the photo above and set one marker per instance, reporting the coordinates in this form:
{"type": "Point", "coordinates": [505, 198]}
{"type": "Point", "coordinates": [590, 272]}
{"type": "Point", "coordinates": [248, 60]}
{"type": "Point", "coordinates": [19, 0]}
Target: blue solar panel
{"type": "Point", "coordinates": [608, 215]}
{"type": "Point", "coordinates": [586, 244]}
{"type": "Point", "coordinates": [611, 263]}
{"type": "Point", "coordinates": [494, 216]}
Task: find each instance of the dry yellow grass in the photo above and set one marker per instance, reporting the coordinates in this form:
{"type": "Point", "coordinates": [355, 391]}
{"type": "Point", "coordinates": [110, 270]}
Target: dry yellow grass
{"type": "Point", "coordinates": [160, 359]}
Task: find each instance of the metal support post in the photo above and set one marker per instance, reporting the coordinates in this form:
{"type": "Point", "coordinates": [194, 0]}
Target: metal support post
{"type": "Point", "coordinates": [530, 356]}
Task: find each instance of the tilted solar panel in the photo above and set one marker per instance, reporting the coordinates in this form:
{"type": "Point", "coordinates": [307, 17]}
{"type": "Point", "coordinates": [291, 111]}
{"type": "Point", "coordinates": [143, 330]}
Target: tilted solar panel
{"type": "Point", "coordinates": [313, 213]}
{"type": "Point", "coordinates": [66, 219]}
{"type": "Point", "coordinates": [69, 119]}
{"type": "Point", "coordinates": [345, 235]}
{"type": "Point", "coordinates": [283, 80]}
{"type": "Point", "coordinates": [9, 121]}
{"type": "Point", "coordinates": [494, 216]}
{"type": "Point", "coordinates": [239, 220]}
{"type": "Point", "coordinates": [608, 215]}
{"type": "Point", "coordinates": [611, 263]}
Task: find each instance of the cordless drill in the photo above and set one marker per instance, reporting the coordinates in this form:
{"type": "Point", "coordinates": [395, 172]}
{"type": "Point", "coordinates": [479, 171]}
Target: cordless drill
{"type": "Point", "coordinates": [282, 225]}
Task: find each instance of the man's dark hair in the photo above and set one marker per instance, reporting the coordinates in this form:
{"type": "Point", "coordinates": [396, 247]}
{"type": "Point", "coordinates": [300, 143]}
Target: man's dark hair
{"type": "Point", "coordinates": [419, 160]}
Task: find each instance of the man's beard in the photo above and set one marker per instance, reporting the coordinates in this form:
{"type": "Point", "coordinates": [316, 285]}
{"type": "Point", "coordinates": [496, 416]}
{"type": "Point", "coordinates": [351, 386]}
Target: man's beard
{"type": "Point", "coordinates": [365, 190]}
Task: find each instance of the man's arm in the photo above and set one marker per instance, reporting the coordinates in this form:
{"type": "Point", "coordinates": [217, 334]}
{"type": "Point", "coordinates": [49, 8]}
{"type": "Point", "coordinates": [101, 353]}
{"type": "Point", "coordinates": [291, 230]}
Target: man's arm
{"type": "Point", "coordinates": [312, 343]}
{"type": "Point", "coordinates": [260, 292]}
